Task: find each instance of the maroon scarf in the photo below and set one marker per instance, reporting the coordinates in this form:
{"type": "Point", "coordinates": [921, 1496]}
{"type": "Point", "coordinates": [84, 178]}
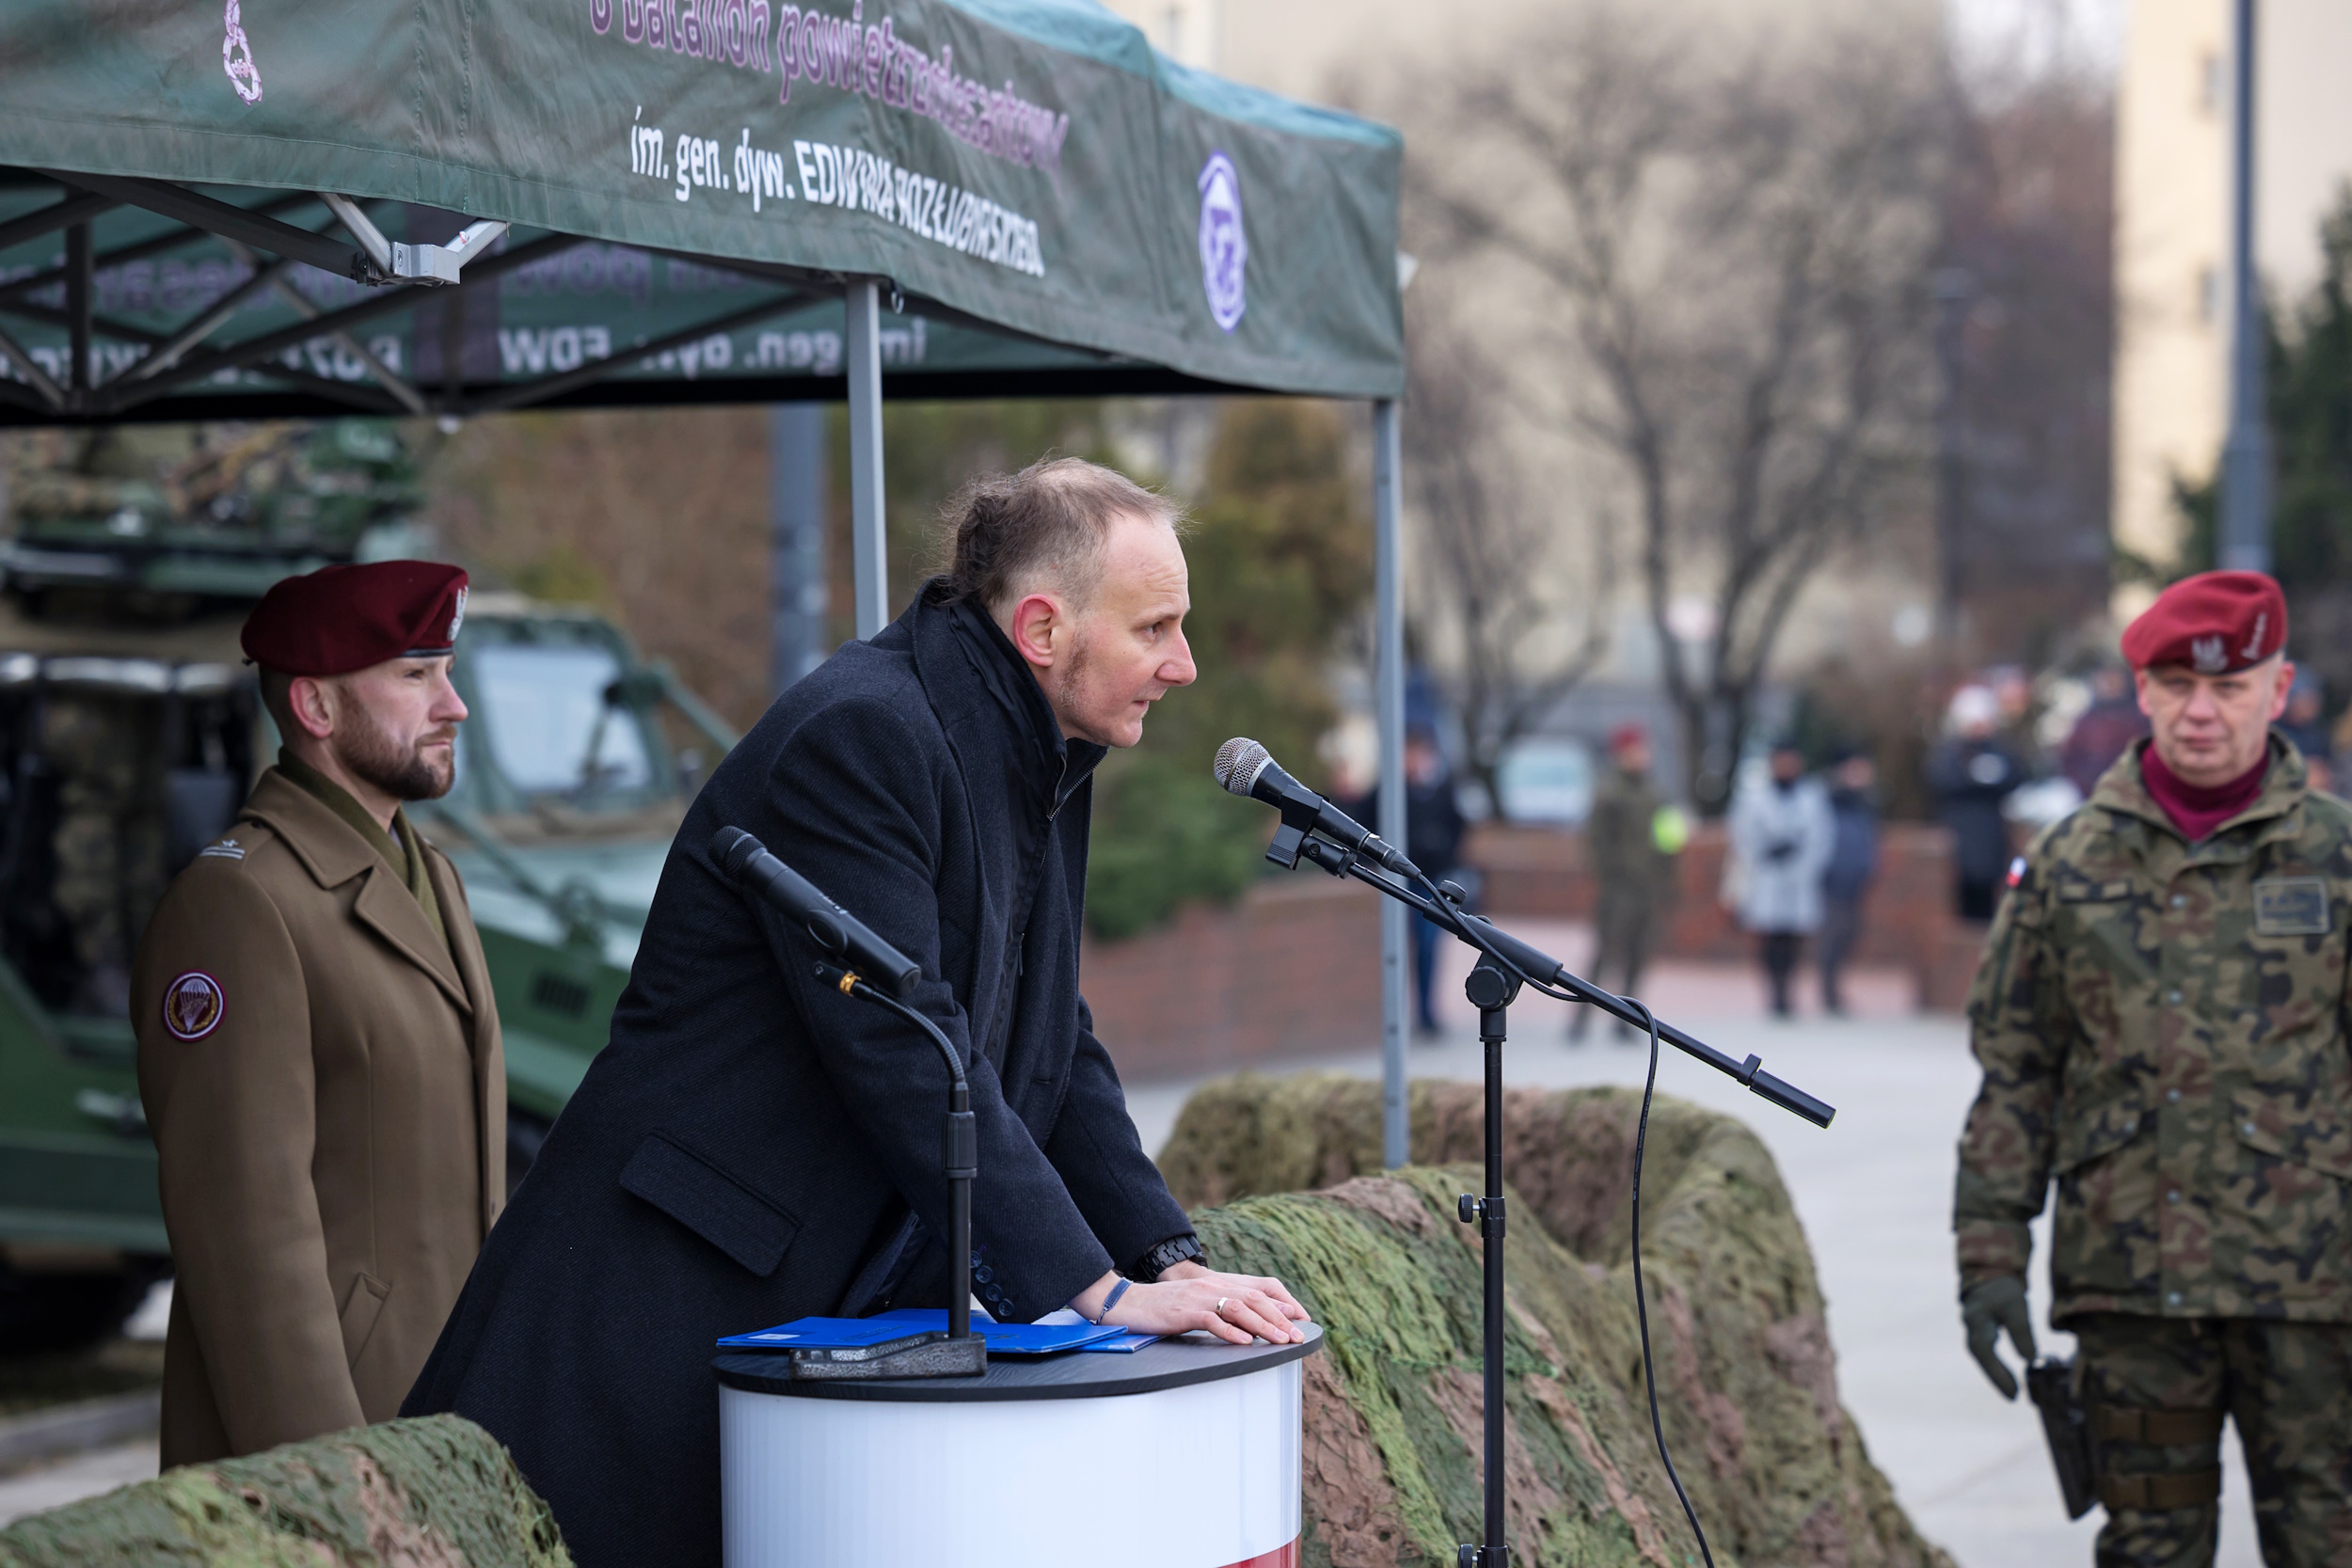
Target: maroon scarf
{"type": "Point", "coordinates": [2197, 811]}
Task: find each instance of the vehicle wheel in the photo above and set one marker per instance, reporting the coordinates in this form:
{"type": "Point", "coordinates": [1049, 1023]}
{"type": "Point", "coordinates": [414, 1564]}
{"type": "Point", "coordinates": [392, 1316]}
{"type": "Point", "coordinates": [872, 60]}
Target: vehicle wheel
{"type": "Point", "coordinates": [45, 1312]}
{"type": "Point", "coordinates": [525, 1132]}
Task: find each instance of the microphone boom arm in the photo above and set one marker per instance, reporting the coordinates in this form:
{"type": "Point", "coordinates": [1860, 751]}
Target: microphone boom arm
{"type": "Point", "coordinates": [1552, 977]}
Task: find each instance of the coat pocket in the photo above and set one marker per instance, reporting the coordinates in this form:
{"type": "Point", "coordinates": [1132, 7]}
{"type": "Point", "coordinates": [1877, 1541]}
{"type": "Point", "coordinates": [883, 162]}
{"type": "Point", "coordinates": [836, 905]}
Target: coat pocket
{"type": "Point", "coordinates": [710, 1203]}
{"type": "Point", "coordinates": [361, 1308]}
{"type": "Point", "coordinates": [2316, 1137]}
{"type": "Point", "coordinates": [2089, 1127]}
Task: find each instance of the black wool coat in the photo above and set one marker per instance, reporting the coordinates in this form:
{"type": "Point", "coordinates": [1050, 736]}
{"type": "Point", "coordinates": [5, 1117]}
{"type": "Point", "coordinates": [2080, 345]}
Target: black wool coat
{"type": "Point", "coordinates": [752, 1147]}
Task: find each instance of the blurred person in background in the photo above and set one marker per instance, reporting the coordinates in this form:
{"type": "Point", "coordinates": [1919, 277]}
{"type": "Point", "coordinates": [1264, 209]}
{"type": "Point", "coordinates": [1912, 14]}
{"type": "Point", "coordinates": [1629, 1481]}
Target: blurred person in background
{"type": "Point", "coordinates": [1853, 866]}
{"type": "Point", "coordinates": [1782, 836]}
{"type": "Point", "coordinates": [1434, 829]}
{"type": "Point", "coordinates": [2101, 733]}
{"type": "Point", "coordinates": [1632, 841]}
{"type": "Point", "coordinates": [1970, 774]}
{"type": "Point", "coordinates": [2305, 722]}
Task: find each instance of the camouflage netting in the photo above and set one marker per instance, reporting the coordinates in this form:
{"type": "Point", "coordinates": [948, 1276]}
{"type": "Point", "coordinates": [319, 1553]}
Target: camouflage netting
{"type": "Point", "coordinates": [436, 1492]}
{"type": "Point", "coordinates": [1747, 1385]}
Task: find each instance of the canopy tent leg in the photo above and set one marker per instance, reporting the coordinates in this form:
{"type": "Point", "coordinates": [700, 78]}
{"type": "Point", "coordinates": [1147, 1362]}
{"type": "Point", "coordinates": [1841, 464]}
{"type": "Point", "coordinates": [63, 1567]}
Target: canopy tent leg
{"type": "Point", "coordinates": [870, 552]}
{"type": "Point", "coordinates": [1389, 698]}
{"type": "Point", "coordinates": [797, 587]}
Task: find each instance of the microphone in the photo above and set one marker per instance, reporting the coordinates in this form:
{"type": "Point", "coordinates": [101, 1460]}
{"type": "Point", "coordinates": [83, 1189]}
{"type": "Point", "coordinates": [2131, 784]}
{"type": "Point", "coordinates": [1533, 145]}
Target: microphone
{"type": "Point", "coordinates": [747, 861]}
{"type": "Point", "coordinates": [1244, 767]}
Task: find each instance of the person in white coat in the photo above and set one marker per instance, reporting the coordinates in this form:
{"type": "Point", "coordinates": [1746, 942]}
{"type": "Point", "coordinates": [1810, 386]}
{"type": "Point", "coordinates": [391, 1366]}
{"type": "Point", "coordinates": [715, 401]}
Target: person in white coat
{"type": "Point", "coordinates": [1782, 832]}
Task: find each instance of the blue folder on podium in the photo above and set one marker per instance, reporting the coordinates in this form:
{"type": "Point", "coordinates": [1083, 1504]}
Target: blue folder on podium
{"type": "Point", "coordinates": [1120, 1341]}
{"type": "Point", "coordinates": [850, 1333]}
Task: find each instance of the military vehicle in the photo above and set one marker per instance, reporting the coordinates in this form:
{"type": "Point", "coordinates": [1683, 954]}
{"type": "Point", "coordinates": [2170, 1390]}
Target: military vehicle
{"type": "Point", "coordinates": [130, 731]}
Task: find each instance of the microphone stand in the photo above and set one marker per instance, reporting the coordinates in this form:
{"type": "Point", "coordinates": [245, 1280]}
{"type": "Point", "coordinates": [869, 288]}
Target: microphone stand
{"type": "Point", "coordinates": [959, 1353]}
{"type": "Point", "coordinates": [960, 1153]}
{"type": "Point", "coordinates": [1505, 965]}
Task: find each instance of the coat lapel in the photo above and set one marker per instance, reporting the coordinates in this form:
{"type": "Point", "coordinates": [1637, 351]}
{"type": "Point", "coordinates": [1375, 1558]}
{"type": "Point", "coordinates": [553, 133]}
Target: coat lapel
{"type": "Point", "coordinates": [391, 911]}
{"type": "Point", "coordinates": [488, 1064]}
{"type": "Point", "coordinates": [333, 854]}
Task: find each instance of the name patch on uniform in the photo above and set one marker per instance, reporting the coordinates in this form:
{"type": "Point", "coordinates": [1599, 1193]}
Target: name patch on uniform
{"type": "Point", "coordinates": [2291, 907]}
{"type": "Point", "coordinates": [193, 1006]}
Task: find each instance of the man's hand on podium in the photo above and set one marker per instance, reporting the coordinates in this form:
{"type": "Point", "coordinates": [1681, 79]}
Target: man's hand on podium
{"type": "Point", "coordinates": [1236, 1307]}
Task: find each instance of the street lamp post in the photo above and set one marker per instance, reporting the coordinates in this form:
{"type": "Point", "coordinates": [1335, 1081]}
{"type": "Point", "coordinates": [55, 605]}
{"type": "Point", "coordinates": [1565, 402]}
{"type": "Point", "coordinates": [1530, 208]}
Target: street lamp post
{"type": "Point", "coordinates": [2244, 538]}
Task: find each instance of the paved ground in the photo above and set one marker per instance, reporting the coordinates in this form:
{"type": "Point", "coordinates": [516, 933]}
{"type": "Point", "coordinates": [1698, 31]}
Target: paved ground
{"type": "Point", "coordinates": [65, 1480]}
{"type": "Point", "coordinates": [1874, 1191]}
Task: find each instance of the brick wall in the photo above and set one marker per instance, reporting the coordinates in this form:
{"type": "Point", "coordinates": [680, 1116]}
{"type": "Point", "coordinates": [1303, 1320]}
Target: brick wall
{"type": "Point", "coordinates": [1292, 968]}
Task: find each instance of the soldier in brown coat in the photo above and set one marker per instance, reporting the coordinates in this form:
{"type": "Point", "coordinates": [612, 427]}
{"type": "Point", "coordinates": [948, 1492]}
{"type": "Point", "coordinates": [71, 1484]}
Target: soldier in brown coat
{"type": "Point", "coordinates": [318, 1044]}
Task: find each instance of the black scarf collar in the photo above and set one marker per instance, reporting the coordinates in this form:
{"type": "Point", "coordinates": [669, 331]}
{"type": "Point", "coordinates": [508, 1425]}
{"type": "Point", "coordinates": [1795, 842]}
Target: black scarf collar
{"type": "Point", "coordinates": [984, 661]}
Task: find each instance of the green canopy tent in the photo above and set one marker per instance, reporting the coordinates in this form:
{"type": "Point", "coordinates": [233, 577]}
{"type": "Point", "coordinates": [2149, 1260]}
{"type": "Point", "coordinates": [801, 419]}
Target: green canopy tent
{"type": "Point", "coordinates": [275, 210]}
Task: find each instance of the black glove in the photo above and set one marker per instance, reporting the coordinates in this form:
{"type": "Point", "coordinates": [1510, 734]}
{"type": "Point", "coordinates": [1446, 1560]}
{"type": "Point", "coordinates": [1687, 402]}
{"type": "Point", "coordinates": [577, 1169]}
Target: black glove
{"type": "Point", "coordinates": [1987, 1308]}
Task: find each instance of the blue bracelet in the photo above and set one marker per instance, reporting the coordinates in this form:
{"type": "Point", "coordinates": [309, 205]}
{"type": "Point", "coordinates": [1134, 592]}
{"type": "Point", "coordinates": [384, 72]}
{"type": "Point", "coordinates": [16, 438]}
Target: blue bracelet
{"type": "Point", "coordinates": [1112, 1300]}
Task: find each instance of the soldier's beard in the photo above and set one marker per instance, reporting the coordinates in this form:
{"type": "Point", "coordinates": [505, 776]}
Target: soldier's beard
{"type": "Point", "coordinates": [403, 772]}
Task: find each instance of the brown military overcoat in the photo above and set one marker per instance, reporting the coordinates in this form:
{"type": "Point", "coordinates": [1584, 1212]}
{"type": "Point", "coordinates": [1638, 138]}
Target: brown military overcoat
{"type": "Point", "coordinates": [328, 1098]}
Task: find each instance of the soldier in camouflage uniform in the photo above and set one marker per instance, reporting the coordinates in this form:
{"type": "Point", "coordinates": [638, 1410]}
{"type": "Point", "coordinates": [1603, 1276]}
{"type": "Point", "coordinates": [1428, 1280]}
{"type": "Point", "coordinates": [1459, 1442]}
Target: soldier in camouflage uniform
{"type": "Point", "coordinates": [110, 836]}
{"type": "Point", "coordinates": [2161, 1021]}
{"type": "Point", "coordinates": [1632, 874]}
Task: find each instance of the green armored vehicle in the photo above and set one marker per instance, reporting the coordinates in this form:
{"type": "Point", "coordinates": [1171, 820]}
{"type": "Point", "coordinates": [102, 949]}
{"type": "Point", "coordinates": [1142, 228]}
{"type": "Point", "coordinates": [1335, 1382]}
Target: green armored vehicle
{"type": "Point", "coordinates": [130, 731]}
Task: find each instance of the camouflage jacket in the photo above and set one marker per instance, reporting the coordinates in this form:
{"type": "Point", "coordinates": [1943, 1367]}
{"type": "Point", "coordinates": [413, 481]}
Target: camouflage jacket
{"type": "Point", "coordinates": [1621, 840]}
{"type": "Point", "coordinates": [2162, 1029]}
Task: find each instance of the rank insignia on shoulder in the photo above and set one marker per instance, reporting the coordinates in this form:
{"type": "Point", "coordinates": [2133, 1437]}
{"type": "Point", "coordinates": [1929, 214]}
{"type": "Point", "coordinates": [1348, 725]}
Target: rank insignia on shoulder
{"type": "Point", "coordinates": [226, 849]}
{"type": "Point", "coordinates": [2017, 871]}
{"type": "Point", "coordinates": [192, 1004]}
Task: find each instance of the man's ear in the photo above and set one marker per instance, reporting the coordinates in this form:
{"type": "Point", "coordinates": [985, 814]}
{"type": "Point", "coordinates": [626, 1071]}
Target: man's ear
{"type": "Point", "coordinates": [1037, 624]}
{"type": "Point", "coordinates": [313, 705]}
{"type": "Point", "coordinates": [2283, 690]}
{"type": "Point", "coordinates": [2139, 691]}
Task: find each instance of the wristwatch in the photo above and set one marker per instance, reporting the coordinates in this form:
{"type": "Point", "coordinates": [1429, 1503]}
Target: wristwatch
{"type": "Point", "coordinates": [1161, 1259]}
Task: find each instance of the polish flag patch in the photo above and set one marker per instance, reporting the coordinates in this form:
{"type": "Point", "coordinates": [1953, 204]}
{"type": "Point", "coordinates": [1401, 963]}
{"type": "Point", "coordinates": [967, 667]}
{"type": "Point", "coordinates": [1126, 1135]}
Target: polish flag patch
{"type": "Point", "coordinates": [2017, 871]}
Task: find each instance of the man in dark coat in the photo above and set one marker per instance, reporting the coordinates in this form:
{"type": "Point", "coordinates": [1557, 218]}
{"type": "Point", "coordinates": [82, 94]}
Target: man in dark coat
{"type": "Point", "coordinates": [752, 1147]}
{"type": "Point", "coordinates": [1971, 773]}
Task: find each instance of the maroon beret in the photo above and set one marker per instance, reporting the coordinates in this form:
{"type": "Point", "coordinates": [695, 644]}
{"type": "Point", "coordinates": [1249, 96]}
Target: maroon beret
{"type": "Point", "coordinates": [2214, 623]}
{"type": "Point", "coordinates": [339, 619]}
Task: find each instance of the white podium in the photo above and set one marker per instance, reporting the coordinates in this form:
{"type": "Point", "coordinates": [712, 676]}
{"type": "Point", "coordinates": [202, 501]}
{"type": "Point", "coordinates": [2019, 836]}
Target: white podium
{"type": "Point", "coordinates": [1184, 1454]}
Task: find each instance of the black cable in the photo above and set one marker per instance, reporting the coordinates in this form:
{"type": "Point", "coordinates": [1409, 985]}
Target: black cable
{"type": "Point", "coordinates": [1641, 1302]}
{"type": "Point", "coordinates": [1641, 1141]}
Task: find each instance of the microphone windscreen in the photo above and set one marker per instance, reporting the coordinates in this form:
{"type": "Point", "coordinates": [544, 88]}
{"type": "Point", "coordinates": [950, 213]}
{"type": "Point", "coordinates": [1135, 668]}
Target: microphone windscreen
{"type": "Point", "coordinates": [1237, 764]}
{"type": "Point", "coordinates": [723, 848]}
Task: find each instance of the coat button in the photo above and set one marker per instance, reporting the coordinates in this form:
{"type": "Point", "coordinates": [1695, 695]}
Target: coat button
{"type": "Point", "coordinates": [2180, 900]}
{"type": "Point", "coordinates": [2246, 1128]}
{"type": "Point", "coordinates": [2173, 997]}
{"type": "Point", "coordinates": [2172, 1298]}
{"type": "Point", "coordinates": [2172, 1095]}
{"type": "Point", "coordinates": [2172, 1197]}
{"type": "Point", "coordinates": [983, 1275]}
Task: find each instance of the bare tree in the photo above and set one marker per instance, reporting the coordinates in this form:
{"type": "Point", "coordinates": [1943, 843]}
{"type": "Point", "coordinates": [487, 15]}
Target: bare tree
{"type": "Point", "coordinates": [1489, 549]}
{"type": "Point", "coordinates": [1732, 247]}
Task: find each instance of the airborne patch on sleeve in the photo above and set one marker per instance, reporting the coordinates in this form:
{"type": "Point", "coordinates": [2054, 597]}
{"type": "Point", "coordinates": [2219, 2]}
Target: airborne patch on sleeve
{"type": "Point", "coordinates": [193, 1006]}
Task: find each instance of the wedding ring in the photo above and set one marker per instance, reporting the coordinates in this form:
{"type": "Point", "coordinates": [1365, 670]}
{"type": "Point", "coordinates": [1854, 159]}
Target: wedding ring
{"type": "Point", "coordinates": [1220, 1304]}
